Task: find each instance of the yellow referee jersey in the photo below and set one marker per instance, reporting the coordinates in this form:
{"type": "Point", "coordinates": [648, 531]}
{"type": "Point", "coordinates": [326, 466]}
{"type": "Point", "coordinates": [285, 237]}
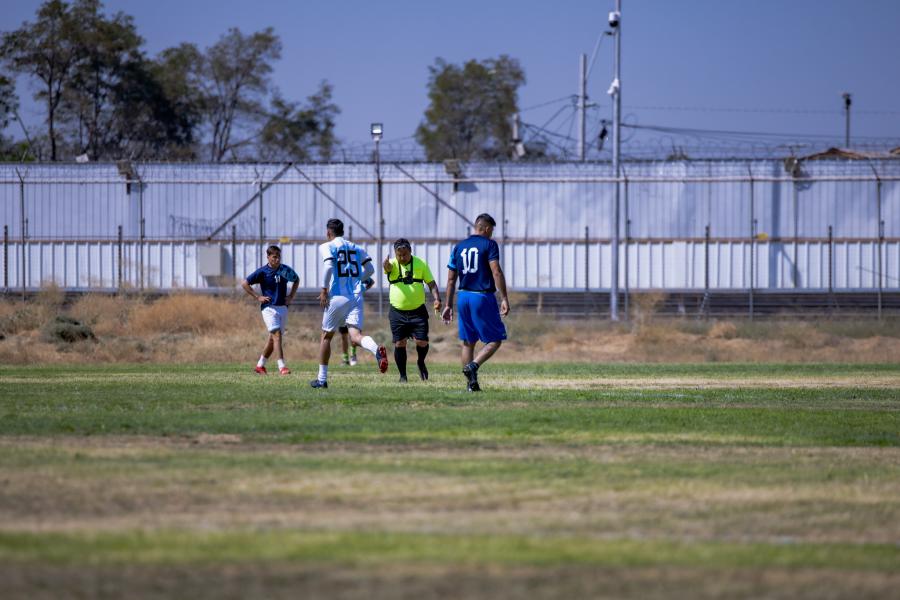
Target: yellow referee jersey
{"type": "Point", "coordinates": [408, 283]}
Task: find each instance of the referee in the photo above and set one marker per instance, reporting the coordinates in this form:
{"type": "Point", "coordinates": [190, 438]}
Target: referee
{"type": "Point", "coordinates": [408, 276]}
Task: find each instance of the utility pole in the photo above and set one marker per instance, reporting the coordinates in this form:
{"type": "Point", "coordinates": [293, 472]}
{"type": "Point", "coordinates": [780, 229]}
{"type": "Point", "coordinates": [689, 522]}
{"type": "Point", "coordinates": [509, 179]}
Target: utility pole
{"type": "Point", "coordinates": [582, 104]}
{"type": "Point", "coordinates": [847, 102]}
{"type": "Point", "coordinates": [615, 90]}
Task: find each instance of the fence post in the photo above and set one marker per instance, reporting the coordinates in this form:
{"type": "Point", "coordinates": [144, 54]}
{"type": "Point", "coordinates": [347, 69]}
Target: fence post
{"type": "Point", "coordinates": [24, 229]}
{"type": "Point", "coordinates": [119, 258]}
{"type": "Point", "coordinates": [503, 235]}
{"type": "Point", "coordinates": [754, 229]}
{"type": "Point", "coordinates": [234, 253]}
{"type": "Point", "coordinates": [706, 298]}
{"type": "Point", "coordinates": [262, 226]}
{"type": "Point", "coordinates": [627, 235]}
{"type": "Point", "coordinates": [830, 268]}
{"type": "Point", "coordinates": [880, 267]}
{"type": "Point", "coordinates": [627, 263]}
{"type": "Point", "coordinates": [796, 266]}
{"type": "Point", "coordinates": [752, 242]}
{"type": "Point", "coordinates": [142, 233]}
{"type": "Point", "coordinates": [880, 224]}
{"type": "Point", "coordinates": [587, 270]}
{"type": "Point", "coordinates": [6, 258]}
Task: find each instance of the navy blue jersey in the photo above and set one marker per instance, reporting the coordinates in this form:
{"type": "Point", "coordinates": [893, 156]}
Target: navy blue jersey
{"type": "Point", "coordinates": [470, 259]}
{"type": "Point", "coordinates": [273, 283]}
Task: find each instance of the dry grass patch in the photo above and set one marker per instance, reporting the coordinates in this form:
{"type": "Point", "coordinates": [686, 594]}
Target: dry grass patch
{"type": "Point", "coordinates": [196, 327]}
{"type": "Point", "coordinates": [191, 313]}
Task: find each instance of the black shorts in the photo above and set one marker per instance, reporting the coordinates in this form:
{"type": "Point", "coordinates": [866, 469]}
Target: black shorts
{"type": "Point", "coordinates": [409, 323]}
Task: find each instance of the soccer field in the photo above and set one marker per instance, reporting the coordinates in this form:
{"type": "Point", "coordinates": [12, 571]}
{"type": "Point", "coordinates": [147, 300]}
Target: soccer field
{"type": "Point", "coordinates": [635, 481]}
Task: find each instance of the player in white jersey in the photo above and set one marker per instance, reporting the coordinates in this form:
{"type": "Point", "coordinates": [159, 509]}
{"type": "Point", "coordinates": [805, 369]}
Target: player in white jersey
{"type": "Point", "coordinates": [346, 268]}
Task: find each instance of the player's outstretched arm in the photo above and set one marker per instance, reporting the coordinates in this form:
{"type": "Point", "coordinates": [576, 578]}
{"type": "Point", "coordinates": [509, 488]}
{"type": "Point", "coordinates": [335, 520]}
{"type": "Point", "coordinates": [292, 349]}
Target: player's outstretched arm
{"type": "Point", "coordinates": [500, 282]}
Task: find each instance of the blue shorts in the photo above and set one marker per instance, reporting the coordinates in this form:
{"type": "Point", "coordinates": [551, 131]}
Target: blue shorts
{"type": "Point", "coordinates": [479, 318]}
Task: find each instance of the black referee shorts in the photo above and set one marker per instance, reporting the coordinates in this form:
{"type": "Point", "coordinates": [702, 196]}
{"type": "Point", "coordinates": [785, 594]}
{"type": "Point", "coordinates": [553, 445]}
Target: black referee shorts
{"type": "Point", "coordinates": [409, 323]}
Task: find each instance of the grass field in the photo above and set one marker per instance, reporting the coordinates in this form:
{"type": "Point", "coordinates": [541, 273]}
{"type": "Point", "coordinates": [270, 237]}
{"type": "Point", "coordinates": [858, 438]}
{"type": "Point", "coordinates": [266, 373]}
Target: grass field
{"type": "Point", "coordinates": [634, 481]}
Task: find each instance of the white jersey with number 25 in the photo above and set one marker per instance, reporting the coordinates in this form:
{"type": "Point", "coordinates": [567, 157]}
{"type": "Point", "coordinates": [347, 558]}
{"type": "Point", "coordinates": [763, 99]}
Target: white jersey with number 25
{"type": "Point", "coordinates": [347, 260]}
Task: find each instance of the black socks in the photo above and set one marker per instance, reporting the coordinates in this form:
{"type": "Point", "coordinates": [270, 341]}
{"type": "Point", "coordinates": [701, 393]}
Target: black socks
{"type": "Point", "coordinates": [423, 351]}
{"type": "Point", "coordinates": [400, 360]}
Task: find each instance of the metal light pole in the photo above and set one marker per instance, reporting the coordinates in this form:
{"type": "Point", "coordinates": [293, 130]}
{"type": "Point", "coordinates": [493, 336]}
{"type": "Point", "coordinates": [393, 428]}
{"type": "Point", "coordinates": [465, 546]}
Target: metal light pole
{"type": "Point", "coordinates": [615, 90]}
{"type": "Point", "coordinates": [582, 104]}
{"type": "Point", "coordinates": [847, 102]}
{"type": "Point", "coordinates": [377, 131]}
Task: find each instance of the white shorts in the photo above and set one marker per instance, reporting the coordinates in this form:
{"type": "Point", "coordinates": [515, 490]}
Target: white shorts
{"type": "Point", "coordinates": [275, 318]}
{"type": "Point", "coordinates": [343, 311]}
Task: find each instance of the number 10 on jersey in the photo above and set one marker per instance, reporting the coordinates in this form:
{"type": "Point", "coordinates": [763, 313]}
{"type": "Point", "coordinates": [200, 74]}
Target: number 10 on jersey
{"type": "Point", "coordinates": [469, 260]}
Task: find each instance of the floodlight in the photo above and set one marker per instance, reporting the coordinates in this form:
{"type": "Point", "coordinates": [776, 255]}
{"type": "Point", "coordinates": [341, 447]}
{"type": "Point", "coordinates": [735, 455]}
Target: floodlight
{"type": "Point", "coordinates": [377, 131]}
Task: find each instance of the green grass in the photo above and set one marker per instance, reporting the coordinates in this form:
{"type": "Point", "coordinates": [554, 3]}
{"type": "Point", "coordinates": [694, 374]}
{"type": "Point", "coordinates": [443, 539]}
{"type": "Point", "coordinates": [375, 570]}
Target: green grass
{"type": "Point", "coordinates": [384, 548]}
{"type": "Point", "coordinates": [362, 407]}
{"type": "Point", "coordinates": [711, 466]}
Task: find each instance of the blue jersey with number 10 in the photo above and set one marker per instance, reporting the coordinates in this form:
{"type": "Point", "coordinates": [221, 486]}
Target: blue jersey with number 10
{"type": "Point", "coordinates": [470, 259]}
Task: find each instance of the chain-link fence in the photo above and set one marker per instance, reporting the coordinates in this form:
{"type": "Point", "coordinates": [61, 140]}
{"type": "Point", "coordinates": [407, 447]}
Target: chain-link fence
{"type": "Point", "coordinates": [749, 227]}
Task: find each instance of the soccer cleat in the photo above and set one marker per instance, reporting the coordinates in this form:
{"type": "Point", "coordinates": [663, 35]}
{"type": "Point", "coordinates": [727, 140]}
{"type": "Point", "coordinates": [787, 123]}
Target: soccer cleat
{"type": "Point", "coordinates": [471, 373]}
{"type": "Point", "coordinates": [403, 379]}
{"type": "Point", "coordinates": [353, 361]}
{"type": "Point", "coordinates": [473, 387]}
{"type": "Point", "coordinates": [260, 370]}
{"type": "Point", "coordinates": [345, 360]}
{"type": "Point", "coordinates": [423, 371]}
{"type": "Point", "coordinates": [284, 371]}
{"type": "Point", "coordinates": [381, 357]}
{"type": "Point", "coordinates": [315, 383]}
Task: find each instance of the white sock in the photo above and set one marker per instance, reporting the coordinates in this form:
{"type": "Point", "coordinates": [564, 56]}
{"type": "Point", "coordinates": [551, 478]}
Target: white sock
{"type": "Point", "coordinates": [323, 373]}
{"type": "Point", "coordinates": [369, 344]}
{"type": "Point", "coordinates": [262, 361]}
{"type": "Point", "coordinates": [280, 363]}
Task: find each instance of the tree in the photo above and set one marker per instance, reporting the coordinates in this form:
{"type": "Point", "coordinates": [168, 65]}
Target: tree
{"type": "Point", "coordinates": [235, 75]}
{"type": "Point", "coordinates": [291, 132]}
{"type": "Point", "coordinates": [108, 64]}
{"type": "Point", "coordinates": [46, 49]}
{"type": "Point", "coordinates": [470, 109]}
{"type": "Point", "coordinates": [8, 101]}
{"type": "Point", "coordinates": [178, 71]}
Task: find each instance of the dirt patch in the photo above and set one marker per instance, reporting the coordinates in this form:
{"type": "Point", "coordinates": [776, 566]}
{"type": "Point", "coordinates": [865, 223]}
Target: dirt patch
{"type": "Point", "coordinates": [109, 484]}
{"type": "Point", "coordinates": [418, 582]}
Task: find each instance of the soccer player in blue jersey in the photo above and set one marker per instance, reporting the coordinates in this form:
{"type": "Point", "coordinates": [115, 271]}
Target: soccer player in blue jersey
{"type": "Point", "coordinates": [475, 266]}
{"type": "Point", "coordinates": [347, 269]}
{"type": "Point", "coordinates": [273, 299]}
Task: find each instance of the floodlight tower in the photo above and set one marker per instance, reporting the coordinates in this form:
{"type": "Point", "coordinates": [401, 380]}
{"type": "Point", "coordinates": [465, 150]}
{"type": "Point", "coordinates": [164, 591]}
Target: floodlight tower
{"type": "Point", "coordinates": [377, 131]}
{"type": "Point", "coordinates": [615, 90]}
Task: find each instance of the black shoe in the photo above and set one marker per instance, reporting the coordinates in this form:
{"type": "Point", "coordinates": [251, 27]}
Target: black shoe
{"type": "Point", "coordinates": [423, 371]}
{"type": "Point", "coordinates": [403, 379]}
{"type": "Point", "coordinates": [315, 383]}
{"type": "Point", "coordinates": [471, 373]}
{"type": "Point", "coordinates": [473, 387]}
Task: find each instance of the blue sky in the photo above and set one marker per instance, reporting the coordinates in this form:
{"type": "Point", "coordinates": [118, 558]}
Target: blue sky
{"type": "Point", "coordinates": [766, 65]}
